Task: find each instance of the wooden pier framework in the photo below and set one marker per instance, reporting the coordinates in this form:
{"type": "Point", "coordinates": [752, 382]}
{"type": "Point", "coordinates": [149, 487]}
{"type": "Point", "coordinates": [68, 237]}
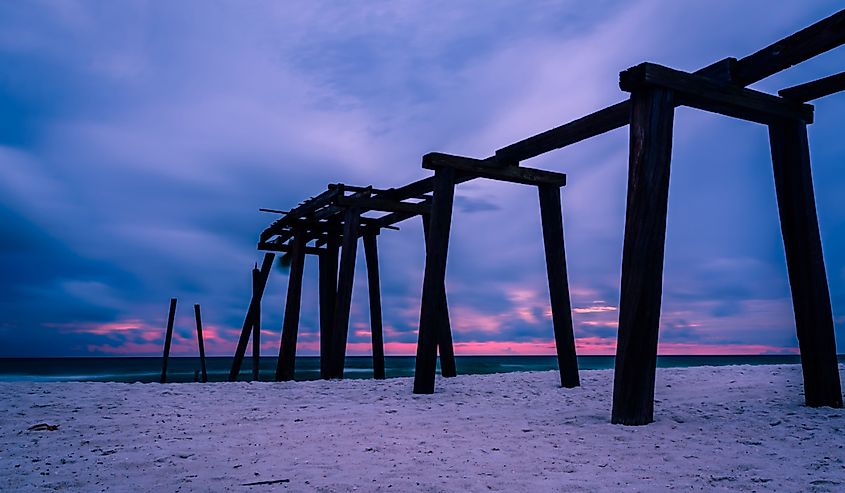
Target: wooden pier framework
{"type": "Point", "coordinates": [334, 221]}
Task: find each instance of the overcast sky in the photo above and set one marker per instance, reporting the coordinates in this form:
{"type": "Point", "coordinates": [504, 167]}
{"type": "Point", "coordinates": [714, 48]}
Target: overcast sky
{"type": "Point", "coordinates": [139, 139]}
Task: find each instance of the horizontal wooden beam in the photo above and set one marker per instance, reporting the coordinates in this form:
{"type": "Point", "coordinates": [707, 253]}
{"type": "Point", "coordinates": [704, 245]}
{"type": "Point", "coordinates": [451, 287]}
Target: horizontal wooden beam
{"type": "Point", "coordinates": [277, 247]}
{"type": "Point", "coordinates": [473, 168]}
{"type": "Point", "coordinates": [711, 95]}
{"type": "Point", "coordinates": [414, 189]}
{"type": "Point", "coordinates": [375, 204]}
{"type": "Point", "coordinates": [602, 121]}
{"type": "Point", "coordinates": [351, 188]}
{"type": "Point", "coordinates": [306, 207]}
{"type": "Point", "coordinates": [594, 124]}
{"type": "Point", "coordinates": [811, 41]}
{"type": "Point", "coordinates": [815, 89]}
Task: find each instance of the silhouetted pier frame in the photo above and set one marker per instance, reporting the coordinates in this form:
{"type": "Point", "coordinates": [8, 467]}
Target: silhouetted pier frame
{"type": "Point", "coordinates": [655, 92]}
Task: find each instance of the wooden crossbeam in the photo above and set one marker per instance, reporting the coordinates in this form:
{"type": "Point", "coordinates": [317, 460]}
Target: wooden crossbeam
{"type": "Point", "coordinates": [472, 168]}
{"type": "Point", "coordinates": [811, 41]}
{"type": "Point", "coordinates": [815, 89]}
{"type": "Point", "coordinates": [814, 40]}
{"type": "Point", "coordinates": [314, 215]}
{"type": "Point", "coordinates": [285, 248]}
{"type": "Point", "coordinates": [602, 121]}
{"type": "Point", "coordinates": [711, 95]}
{"type": "Point", "coordinates": [307, 207]}
{"type": "Point", "coordinates": [594, 124]}
{"type": "Point", "coordinates": [384, 205]}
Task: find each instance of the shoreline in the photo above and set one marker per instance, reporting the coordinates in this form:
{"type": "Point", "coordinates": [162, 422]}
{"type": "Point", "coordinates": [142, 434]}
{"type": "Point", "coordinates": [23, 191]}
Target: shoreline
{"type": "Point", "coordinates": [717, 428]}
{"type": "Point", "coordinates": [184, 369]}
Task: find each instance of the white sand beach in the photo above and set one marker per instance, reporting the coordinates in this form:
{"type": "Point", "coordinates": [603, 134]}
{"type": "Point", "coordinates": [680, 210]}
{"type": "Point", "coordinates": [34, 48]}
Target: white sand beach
{"type": "Point", "coordinates": [717, 429]}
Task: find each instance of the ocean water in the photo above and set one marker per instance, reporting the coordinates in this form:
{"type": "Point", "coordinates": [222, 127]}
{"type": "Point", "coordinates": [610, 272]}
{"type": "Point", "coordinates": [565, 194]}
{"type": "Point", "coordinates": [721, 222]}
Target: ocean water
{"type": "Point", "coordinates": [308, 368]}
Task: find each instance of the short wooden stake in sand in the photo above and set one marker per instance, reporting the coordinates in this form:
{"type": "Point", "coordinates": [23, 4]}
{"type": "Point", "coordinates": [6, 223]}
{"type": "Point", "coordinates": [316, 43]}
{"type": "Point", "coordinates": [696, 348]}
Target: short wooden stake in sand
{"type": "Point", "coordinates": [200, 343]}
{"type": "Point", "coordinates": [167, 338]}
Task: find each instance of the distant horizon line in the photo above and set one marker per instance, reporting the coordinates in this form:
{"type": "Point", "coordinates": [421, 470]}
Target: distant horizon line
{"type": "Point", "coordinates": [411, 356]}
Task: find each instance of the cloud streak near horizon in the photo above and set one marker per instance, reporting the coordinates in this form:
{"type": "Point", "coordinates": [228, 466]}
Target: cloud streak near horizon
{"type": "Point", "coordinates": [138, 140]}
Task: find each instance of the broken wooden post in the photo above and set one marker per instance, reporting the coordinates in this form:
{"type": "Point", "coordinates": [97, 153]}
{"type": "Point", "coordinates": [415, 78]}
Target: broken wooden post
{"type": "Point", "coordinates": [343, 300]}
{"type": "Point", "coordinates": [256, 326]}
{"type": "Point", "coordinates": [254, 307]}
{"type": "Point", "coordinates": [168, 336]}
{"type": "Point", "coordinates": [445, 346]}
{"type": "Point", "coordinates": [371, 257]}
{"type": "Point", "coordinates": [200, 343]}
{"type": "Point", "coordinates": [328, 291]}
{"type": "Point", "coordinates": [552, 219]}
{"type": "Point", "coordinates": [431, 309]}
{"type": "Point", "coordinates": [285, 367]}
{"type": "Point", "coordinates": [652, 115]}
{"type": "Point", "coordinates": [805, 262]}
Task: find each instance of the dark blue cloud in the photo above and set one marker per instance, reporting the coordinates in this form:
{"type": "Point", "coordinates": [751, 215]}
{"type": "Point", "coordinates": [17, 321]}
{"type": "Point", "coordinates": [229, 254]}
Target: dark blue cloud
{"type": "Point", "coordinates": [138, 140]}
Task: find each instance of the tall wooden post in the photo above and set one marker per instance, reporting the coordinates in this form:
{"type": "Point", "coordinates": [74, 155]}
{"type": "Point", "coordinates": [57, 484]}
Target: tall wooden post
{"type": "Point", "coordinates": [652, 115]}
{"type": "Point", "coordinates": [256, 326]}
{"type": "Point", "coordinates": [552, 219]}
{"type": "Point", "coordinates": [445, 346]}
{"type": "Point", "coordinates": [343, 300]}
{"type": "Point", "coordinates": [168, 336]}
{"type": "Point", "coordinates": [254, 307]}
{"type": "Point", "coordinates": [328, 292]}
{"type": "Point", "coordinates": [285, 366]}
{"type": "Point", "coordinates": [805, 262]}
{"type": "Point", "coordinates": [371, 256]}
{"type": "Point", "coordinates": [431, 309]}
{"type": "Point", "coordinates": [200, 343]}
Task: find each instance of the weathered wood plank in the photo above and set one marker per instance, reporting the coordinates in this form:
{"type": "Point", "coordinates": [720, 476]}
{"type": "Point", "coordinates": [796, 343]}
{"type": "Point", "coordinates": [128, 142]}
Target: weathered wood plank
{"type": "Point", "coordinates": [710, 95]}
{"type": "Point", "coordinates": [431, 307]}
{"type": "Point", "coordinates": [200, 343]}
{"type": "Point", "coordinates": [254, 304]}
{"type": "Point", "coordinates": [815, 89]}
{"type": "Point", "coordinates": [652, 115]}
{"type": "Point", "coordinates": [805, 262]}
{"type": "Point", "coordinates": [552, 220]}
{"type": "Point", "coordinates": [286, 365]}
{"type": "Point", "coordinates": [294, 214]}
{"type": "Point", "coordinates": [168, 337]}
{"type": "Point", "coordinates": [811, 41]}
{"type": "Point", "coordinates": [374, 204]}
{"type": "Point", "coordinates": [343, 300]}
{"type": "Point", "coordinates": [287, 248]}
{"type": "Point", "coordinates": [484, 169]}
{"type": "Point", "coordinates": [371, 257]}
{"type": "Point", "coordinates": [328, 291]}
{"type": "Point", "coordinates": [592, 125]}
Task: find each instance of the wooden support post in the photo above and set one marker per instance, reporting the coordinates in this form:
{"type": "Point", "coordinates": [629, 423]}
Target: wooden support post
{"type": "Point", "coordinates": [431, 309]}
{"type": "Point", "coordinates": [445, 346]}
{"type": "Point", "coordinates": [256, 327]}
{"type": "Point", "coordinates": [652, 115]}
{"type": "Point", "coordinates": [805, 262]}
{"type": "Point", "coordinates": [343, 300]}
{"type": "Point", "coordinates": [552, 218]}
{"type": "Point", "coordinates": [285, 366]}
{"type": "Point", "coordinates": [168, 337]}
{"type": "Point", "coordinates": [200, 343]}
{"type": "Point", "coordinates": [328, 293]}
{"type": "Point", "coordinates": [371, 255]}
{"type": "Point", "coordinates": [254, 307]}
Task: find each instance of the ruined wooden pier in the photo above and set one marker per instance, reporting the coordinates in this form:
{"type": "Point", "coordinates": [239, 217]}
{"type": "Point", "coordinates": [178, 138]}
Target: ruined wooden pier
{"type": "Point", "coordinates": [334, 221]}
